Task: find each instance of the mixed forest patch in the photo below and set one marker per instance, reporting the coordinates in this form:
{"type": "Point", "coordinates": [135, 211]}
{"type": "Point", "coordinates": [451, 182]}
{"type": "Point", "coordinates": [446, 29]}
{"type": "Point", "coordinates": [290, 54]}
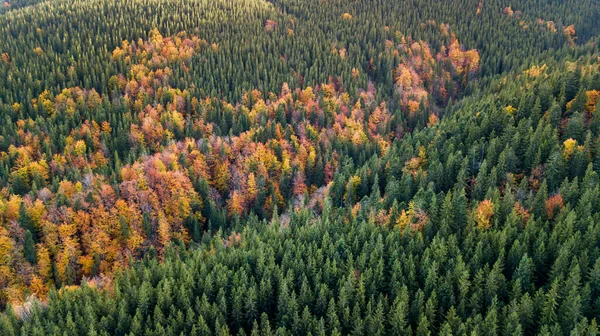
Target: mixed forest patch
{"type": "Point", "coordinates": [299, 167]}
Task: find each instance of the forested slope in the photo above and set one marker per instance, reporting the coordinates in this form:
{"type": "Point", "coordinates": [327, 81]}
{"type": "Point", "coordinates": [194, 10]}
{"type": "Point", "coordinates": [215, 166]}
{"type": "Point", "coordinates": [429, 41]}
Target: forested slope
{"type": "Point", "coordinates": [299, 167]}
{"type": "Point", "coordinates": [494, 239]}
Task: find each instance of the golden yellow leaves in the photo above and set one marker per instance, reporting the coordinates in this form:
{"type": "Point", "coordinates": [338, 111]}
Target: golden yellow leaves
{"type": "Point", "coordinates": [422, 155]}
{"type": "Point", "coordinates": [535, 71]}
{"type": "Point", "coordinates": [221, 176]}
{"type": "Point", "coordinates": [463, 61]}
{"type": "Point", "coordinates": [306, 95]}
{"type": "Point", "coordinates": [378, 119]}
{"type": "Point", "coordinates": [510, 110]}
{"type": "Point", "coordinates": [159, 51]}
{"type": "Point", "coordinates": [70, 248]}
{"type": "Point", "coordinates": [415, 164]}
{"type": "Point", "coordinates": [106, 129]}
{"type": "Point", "coordinates": [46, 100]}
{"type": "Point", "coordinates": [591, 100]}
{"type": "Point", "coordinates": [118, 54]}
{"type": "Point", "coordinates": [38, 287]}
{"type": "Point", "coordinates": [404, 77]}
{"type": "Point", "coordinates": [6, 245]}
{"type": "Point", "coordinates": [155, 36]}
{"type": "Point", "coordinates": [412, 166]}
{"type": "Point", "coordinates": [235, 204]}
{"type": "Point", "coordinates": [570, 145]}
{"type": "Point", "coordinates": [472, 56]}
{"type": "Point", "coordinates": [483, 214]}
{"type": "Point", "coordinates": [415, 218]}
{"type": "Point", "coordinates": [164, 230]}
{"type": "Point", "coordinates": [16, 107]}
{"type": "Point", "coordinates": [87, 263]}
{"type": "Point", "coordinates": [26, 168]}
{"type": "Point", "coordinates": [328, 90]}
{"type": "Point", "coordinates": [80, 148]}
{"type": "Point", "coordinates": [251, 187]}
{"type": "Point", "coordinates": [44, 263]}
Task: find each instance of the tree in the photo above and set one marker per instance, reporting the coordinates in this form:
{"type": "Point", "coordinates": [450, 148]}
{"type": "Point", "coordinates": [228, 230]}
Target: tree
{"type": "Point", "coordinates": [553, 205]}
{"type": "Point", "coordinates": [29, 247]}
{"type": "Point", "coordinates": [398, 319]}
{"type": "Point", "coordinates": [483, 214]}
{"type": "Point", "coordinates": [550, 305]}
{"type": "Point", "coordinates": [25, 219]}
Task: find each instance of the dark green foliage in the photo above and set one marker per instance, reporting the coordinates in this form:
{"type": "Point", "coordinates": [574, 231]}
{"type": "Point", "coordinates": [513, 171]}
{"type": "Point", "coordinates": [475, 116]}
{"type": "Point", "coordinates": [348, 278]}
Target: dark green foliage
{"type": "Point", "coordinates": [370, 284]}
{"type": "Point", "coordinates": [29, 247]}
{"type": "Point", "coordinates": [497, 233]}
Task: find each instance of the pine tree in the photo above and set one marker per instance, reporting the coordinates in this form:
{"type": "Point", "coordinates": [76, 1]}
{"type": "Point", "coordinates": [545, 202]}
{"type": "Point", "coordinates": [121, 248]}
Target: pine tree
{"type": "Point", "coordinates": [29, 248]}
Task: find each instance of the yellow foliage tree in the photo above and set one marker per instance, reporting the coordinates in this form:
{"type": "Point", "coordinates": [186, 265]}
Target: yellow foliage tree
{"type": "Point", "coordinates": [164, 230]}
{"type": "Point", "coordinates": [483, 214]}
{"type": "Point", "coordinates": [236, 203]}
{"type": "Point", "coordinates": [591, 100]}
{"type": "Point", "coordinates": [569, 148]}
{"type": "Point", "coordinates": [44, 263]}
{"type": "Point", "coordinates": [38, 287]}
{"type": "Point", "coordinates": [414, 216]}
{"type": "Point", "coordinates": [252, 188]}
{"type": "Point", "coordinates": [510, 110]}
{"type": "Point", "coordinates": [6, 245]}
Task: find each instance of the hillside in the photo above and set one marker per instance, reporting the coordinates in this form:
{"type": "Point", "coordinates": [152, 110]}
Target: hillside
{"type": "Point", "coordinates": [299, 167]}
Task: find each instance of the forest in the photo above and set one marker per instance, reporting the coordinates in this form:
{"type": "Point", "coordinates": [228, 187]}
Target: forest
{"type": "Point", "coordinates": [299, 167]}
